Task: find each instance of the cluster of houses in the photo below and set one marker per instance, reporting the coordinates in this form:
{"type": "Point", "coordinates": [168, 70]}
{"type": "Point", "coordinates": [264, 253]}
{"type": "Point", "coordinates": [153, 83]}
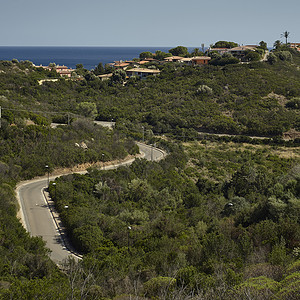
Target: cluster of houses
{"type": "Point", "coordinates": [135, 68]}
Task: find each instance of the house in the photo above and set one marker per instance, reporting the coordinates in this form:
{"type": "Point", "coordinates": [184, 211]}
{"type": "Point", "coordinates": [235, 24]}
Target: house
{"type": "Point", "coordinates": [147, 60]}
{"type": "Point", "coordinates": [200, 60]}
{"type": "Point", "coordinates": [295, 46]}
{"type": "Point", "coordinates": [121, 65]}
{"type": "Point", "coordinates": [241, 51]}
{"type": "Point", "coordinates": [142, 62]}
{"type": "Point", "coordinates": [142, 73]}
{"type": "Point", "coordinates": [173, 59]}
{"type": "Point", "coordinates": [63, 71]}
{"type": "Point", "coordinates": [187, 61]}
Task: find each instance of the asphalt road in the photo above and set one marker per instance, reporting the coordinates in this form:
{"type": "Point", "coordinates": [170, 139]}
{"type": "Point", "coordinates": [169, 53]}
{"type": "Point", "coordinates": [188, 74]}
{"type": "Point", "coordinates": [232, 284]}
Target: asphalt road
{"type": "Point", "coordinates": [38, 215]}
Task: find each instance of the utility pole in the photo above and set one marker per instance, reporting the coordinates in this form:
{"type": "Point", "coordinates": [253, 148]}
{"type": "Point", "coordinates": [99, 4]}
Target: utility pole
{"type": "Point", "coordinates": [0, 115]}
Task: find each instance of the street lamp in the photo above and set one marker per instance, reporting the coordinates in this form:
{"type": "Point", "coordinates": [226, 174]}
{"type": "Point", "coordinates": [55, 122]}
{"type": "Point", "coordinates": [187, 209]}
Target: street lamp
{"type": "Point", "coordinates": [47, 168]}
{"type": "Point", "coordinates": [54, 184]}
{"type": "Point", "coordinates": [129, 228]}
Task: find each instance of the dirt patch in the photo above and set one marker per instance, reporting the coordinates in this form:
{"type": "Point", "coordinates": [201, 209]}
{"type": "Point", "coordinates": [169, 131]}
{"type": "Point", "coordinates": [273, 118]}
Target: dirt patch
{"type": "Point", "coordinates": [280, 99]}
{"type": "Point", "coordinates": [83, 167]}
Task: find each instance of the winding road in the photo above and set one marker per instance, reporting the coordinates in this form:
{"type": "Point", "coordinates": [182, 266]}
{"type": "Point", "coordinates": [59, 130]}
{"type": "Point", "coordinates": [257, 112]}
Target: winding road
{"type": "Point", "coordinates": [38, 215]}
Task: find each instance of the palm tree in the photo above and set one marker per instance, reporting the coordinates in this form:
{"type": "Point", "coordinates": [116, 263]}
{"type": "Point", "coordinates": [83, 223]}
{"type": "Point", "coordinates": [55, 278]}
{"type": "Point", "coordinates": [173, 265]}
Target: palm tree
{"type": "Point", "coordinates": [286, 34]}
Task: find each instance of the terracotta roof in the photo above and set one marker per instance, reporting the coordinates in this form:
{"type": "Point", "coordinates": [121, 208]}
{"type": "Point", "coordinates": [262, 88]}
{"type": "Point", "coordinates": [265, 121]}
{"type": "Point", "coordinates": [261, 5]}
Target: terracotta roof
{"type": "Point", "coordinates": [121, 64]}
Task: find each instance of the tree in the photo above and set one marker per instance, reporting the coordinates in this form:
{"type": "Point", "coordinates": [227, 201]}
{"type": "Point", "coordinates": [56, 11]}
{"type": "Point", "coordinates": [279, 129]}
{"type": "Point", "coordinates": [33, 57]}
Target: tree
{"type": "Point", "coordinates": [108, 68]}
{"type": "Point", "coordinates": [146, 54]}
{"type": "Point", "coordinates": [160, 55]}
{"type": "Point", "coordinates": [252, 56]}
{"type": "Point", "coordinates": [277, 44]}
{"type": "Point", "coordinates": [80, 70]}
{"type": "Point", "coordinates": [119, 76]}
{"type": "Point", "coordinates": [286, 35]}
{"type": "Point", "coordinates": [284, 55]}
{"type": "Point", "coordinates": [179, 51]}
{"type": "Point", "coordinates": [197, 52]}
{"type": "Point", "coordinates": [272, 58]}
{"type": "Point", "coordinates": [99, 70]}
{"type": "Point", "coordinates": [88, 109]}
{"type": "Point", "coordinates": [224, 44]}
{"type": "Point", "coordinates": [79, 66]}
{"type": "Point", "coordinates": [263, 45]}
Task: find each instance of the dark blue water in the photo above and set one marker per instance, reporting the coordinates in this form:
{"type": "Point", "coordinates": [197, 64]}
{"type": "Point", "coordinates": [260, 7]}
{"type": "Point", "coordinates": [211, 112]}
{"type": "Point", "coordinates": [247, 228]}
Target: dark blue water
{"type": "Point", "coordinates": [90, 57]}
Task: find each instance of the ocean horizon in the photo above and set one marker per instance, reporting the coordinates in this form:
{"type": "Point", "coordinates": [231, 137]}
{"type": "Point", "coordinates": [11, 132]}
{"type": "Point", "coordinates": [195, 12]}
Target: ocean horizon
{"type": "Point", "coordinates": [70, 56]}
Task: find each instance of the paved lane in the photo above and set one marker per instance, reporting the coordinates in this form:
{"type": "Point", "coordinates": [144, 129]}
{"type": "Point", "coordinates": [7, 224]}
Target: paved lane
{"type": "Point", "coordinates": [38, 219]}
{"type": "Point", "coordinates": [35, 213]}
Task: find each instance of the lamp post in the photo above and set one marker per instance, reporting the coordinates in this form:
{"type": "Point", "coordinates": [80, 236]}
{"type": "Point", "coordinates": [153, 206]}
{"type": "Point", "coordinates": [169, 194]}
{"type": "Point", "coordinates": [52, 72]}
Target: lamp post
{"type": "Point", "coordinates": [129, 228]}
{"type": "Point", "coordinates": [47, 168]}
{"type": "Point", "coordinates": [54, 184]}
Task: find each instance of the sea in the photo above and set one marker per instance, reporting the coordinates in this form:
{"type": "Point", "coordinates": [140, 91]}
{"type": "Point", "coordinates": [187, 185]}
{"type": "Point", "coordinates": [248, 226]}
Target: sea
{"type": "Point", "coordinates": [90, 57]}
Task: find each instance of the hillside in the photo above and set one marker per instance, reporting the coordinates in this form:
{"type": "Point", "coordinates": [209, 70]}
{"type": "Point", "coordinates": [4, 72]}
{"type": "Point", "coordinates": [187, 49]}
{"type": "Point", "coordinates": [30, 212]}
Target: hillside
{"type": "Point", "coordinates": [256, 98]}
{"type": "Point", "coordinates": [217, 219]}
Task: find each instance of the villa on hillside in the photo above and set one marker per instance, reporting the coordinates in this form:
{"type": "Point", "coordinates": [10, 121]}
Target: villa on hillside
{"type": "Point", "coordinates": [63, 71]}
{"type": "Point", "coordinates": [173, 59]}
{"type": "Point", "coordinates": [142, 73]}
{"type": "Point", "coordinates": [238, 52]}
{"type": "Point", "coordinates": [187, 61]}
{"type": "Point", "coordinates": [241, 51]}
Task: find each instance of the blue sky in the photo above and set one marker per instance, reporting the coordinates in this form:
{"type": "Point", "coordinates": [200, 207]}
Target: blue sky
{"type": "Point", "coordinates": [146, 23]}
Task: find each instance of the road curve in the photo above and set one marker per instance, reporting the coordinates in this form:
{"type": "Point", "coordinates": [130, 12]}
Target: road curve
{"type": "Point", "coordinates": [38, 215]}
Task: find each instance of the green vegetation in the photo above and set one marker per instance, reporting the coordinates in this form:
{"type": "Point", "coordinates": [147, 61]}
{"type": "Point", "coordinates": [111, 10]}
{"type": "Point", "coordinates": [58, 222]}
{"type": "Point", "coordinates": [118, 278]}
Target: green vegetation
{"type": "Point", "coordinates": [246, 99]}
{"type": "Point", "coordinates": [217, 219]}
{"type": "Point", "coordinates": [211, 214]}
{"type": "Point", "coordinates": [224, 44]}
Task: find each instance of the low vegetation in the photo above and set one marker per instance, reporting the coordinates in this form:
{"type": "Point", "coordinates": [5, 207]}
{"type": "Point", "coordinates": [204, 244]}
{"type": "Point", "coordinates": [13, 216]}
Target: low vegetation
{"type": "Point", "coordinates": [217, 219]}
{"type": "Point", "coordinates": [211, 218]}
